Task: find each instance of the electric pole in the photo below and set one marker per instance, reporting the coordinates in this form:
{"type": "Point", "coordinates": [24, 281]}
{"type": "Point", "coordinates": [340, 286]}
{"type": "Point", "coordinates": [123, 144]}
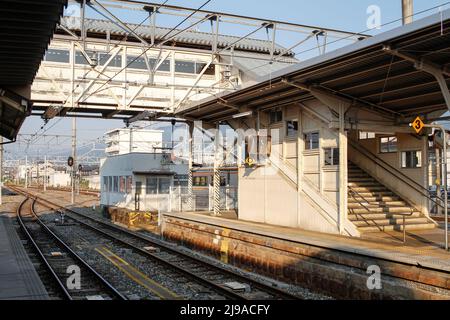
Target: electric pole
{"type": "Point", "coordinates": [407, 11]}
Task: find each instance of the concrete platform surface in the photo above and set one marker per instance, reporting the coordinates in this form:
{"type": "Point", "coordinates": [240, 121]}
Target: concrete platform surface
{"type": "Point", "coordinates": [422, 248]}
{"type": "Point", "coordinates": [18, 277]}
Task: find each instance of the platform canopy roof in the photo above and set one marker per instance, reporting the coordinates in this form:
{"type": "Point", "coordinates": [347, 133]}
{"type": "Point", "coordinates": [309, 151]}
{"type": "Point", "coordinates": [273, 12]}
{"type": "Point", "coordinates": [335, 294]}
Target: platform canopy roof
{"type": "Point", "coordinates": [382, 73]}
{"type": "Point", "coordinates": [26, 27]}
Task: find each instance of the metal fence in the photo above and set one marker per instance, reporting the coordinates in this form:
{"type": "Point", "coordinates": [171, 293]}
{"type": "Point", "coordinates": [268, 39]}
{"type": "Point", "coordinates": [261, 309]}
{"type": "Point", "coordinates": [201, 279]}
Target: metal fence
{"type": "Point", "coordinates": [202, 199]}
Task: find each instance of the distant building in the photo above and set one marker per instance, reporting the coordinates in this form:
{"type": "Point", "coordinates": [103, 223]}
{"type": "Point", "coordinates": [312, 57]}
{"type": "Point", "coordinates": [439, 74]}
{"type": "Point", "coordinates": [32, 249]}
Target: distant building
{"type": "Point", "coordinates": [140, 181]}
{"type": "Point", "coordinates": [128, 140]}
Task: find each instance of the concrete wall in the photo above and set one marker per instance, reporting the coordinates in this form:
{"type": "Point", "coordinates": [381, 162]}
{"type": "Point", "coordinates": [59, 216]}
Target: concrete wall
{"type": "Point", "coordinates": [269, 194]}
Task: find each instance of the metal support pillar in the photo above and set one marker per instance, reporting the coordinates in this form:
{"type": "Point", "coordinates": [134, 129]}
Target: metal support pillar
{"type": "Point", "coordinates": [216, 174]}
{"type": "Point", "coordinates": [343, 178]}
{"type": "Point", "coordinates": [444, 173]}
{"type": "Point", "coordinates": [190, 173]}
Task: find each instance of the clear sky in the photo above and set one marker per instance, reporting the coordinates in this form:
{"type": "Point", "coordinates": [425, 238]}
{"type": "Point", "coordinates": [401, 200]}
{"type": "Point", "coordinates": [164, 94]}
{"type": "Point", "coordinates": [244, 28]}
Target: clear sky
{"type": "Point", "coordinates": [348, 15]}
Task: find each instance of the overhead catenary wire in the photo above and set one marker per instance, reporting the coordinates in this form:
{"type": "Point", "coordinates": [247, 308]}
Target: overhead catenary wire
{"type": "Point", "coordinates": [87, 73]}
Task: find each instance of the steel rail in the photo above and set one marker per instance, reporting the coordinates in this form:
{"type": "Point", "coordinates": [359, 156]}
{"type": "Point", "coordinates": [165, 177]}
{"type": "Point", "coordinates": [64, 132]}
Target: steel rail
{"type": "Point", "coordinates": [277, 293]}
{"type": "Point", "coordinates": [113, 291]}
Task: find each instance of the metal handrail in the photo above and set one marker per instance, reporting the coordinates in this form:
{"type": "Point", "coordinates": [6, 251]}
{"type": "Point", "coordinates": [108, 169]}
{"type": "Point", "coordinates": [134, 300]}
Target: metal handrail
{"type": "Point", "coordinates": [353, 192]}
{"type": "Point", "coordinates": [392, 170]}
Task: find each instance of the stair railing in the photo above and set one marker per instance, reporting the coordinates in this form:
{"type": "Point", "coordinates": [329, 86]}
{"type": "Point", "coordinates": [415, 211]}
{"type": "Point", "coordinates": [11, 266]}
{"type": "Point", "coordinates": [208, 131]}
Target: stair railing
{"type": "Point", "coordinates": [392, 170]}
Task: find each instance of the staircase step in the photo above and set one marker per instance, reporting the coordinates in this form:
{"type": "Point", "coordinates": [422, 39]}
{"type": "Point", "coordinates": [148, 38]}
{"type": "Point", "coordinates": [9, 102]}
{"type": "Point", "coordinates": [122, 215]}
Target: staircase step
{"type": "Point", "coordinates": [366, 183]}
{"type": "Point", "coordinates": [381, 216]}
{"type": "Point", "coordinates": [361, 179]}
{"type": "Point", "coordinates": [387, 222]}
{"type": "Point", "coordinates": [352, 203]}
{"type": "Point", "coordinates": [373, 188]}
{"type": "Point", "coordinates": [376, 195]}
{"type": "Point", "coordinates": [409, 227]}
{"type": "Point", "coordinates": [383, 209]}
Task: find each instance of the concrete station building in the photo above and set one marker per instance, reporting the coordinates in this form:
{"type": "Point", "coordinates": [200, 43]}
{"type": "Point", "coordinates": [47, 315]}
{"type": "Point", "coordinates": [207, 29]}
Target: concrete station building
{"type": "Point", "coordinates": [346, 160]}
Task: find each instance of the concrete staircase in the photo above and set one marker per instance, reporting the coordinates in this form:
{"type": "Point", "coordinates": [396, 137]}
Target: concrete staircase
{"type": "Point", "coordinates": [372, 207]}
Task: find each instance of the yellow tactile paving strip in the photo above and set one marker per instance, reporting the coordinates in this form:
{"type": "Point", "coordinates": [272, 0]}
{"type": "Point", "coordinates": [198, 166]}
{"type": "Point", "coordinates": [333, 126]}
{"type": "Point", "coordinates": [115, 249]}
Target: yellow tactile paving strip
{"type": "Point", "coordinates": [137, 276]}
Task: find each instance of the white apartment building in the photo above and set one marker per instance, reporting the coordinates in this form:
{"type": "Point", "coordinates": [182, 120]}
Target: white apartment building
{"type": "Point", "coordinates": [128, 140]}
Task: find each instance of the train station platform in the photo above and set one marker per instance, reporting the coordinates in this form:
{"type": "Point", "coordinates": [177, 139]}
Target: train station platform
{"type": "Point", "coordinates": [18, 277]}
{"type": "Point", "coordinates": [422, 247]}
{"type": "Point", "coordinates": [419, 269]}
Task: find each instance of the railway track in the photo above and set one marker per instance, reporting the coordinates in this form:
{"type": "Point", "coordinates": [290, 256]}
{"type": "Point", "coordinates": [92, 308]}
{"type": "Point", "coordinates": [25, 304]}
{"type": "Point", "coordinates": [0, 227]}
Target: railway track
{"type": "Point", "coordinates": [208, 275]}
{"type": "Point", "coordinates": [59, 259]}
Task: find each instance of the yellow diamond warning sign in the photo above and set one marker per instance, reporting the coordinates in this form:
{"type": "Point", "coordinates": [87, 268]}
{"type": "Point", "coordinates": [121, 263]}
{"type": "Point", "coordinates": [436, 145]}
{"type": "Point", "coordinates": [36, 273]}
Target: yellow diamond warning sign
{"type": "Point", "coordinates": [418, 124]}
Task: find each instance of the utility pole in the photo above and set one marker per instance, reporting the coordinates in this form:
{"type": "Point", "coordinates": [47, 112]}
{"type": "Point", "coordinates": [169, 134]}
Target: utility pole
{"type": "Point", "coordinates": [45, 173]}
{"type": "Point", "coordinates": [26, 172]}
{"type": "Point", "coordinates": [74, 154]}
{"type": "Point", "coordinates": [74, 119]}
{"type": "Point", "coordinates": [407, 11]}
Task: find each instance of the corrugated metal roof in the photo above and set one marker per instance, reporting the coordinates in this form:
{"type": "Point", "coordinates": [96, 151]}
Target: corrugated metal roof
{"type": "Point", "coordinates": [363, 72]}
{"type": "Point", "coordinates": [189, 37]}
{"type": "Point", "coordinates": [255, 66]}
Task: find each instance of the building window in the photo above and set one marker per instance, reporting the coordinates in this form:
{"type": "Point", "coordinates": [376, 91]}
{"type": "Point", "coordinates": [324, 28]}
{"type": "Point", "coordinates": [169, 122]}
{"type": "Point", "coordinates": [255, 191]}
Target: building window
{"type": "Point", "coordinates": [181, 180]}
{"type": "Point", "coordinates": [138, 187]}
{"type": "Point", "coordinates": [105, 183]}
{"type": "Point", "coordinates": [110, 184]}
{"type": "Point", "coordinates": [366, 135]}
{"type": "Point", "coordinates": [223, 181]}
{"type": "Point", "coordinates": [291, 128]}
{"type": "Point", "coordinates": [411, 159]}
{"type": "Point", "coordinates": [57, 55]}
{"type": "Point", "coordinates": [151, 186]}
{"type": "Point", "coordinates": [163, 185]}
{"type": "Point", "coordinates": [116, 184]}
{"type": "Point", "coordinates": [201, 181]}
{"type": "Point", "coordinates": [129, 184]}
{"type": "Point", "coordinates": [211, 70]}
{"type": "Point", "coordinates": [388, 144]}
{"type": "Point", "coordinates": [104, 57]}
{"type": "Point", "coordinates": [122, 184]}
{"type": "Point", "coordinates": [275, 115]}
{"type": "Point", "coordinates": [311, 140]}
{"type": "Point", "coordinates": [81, 59]}
{"type": "Point", "coordinates": [184, 66]}
{"type": "Point", "coordinates": [331, 156]}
